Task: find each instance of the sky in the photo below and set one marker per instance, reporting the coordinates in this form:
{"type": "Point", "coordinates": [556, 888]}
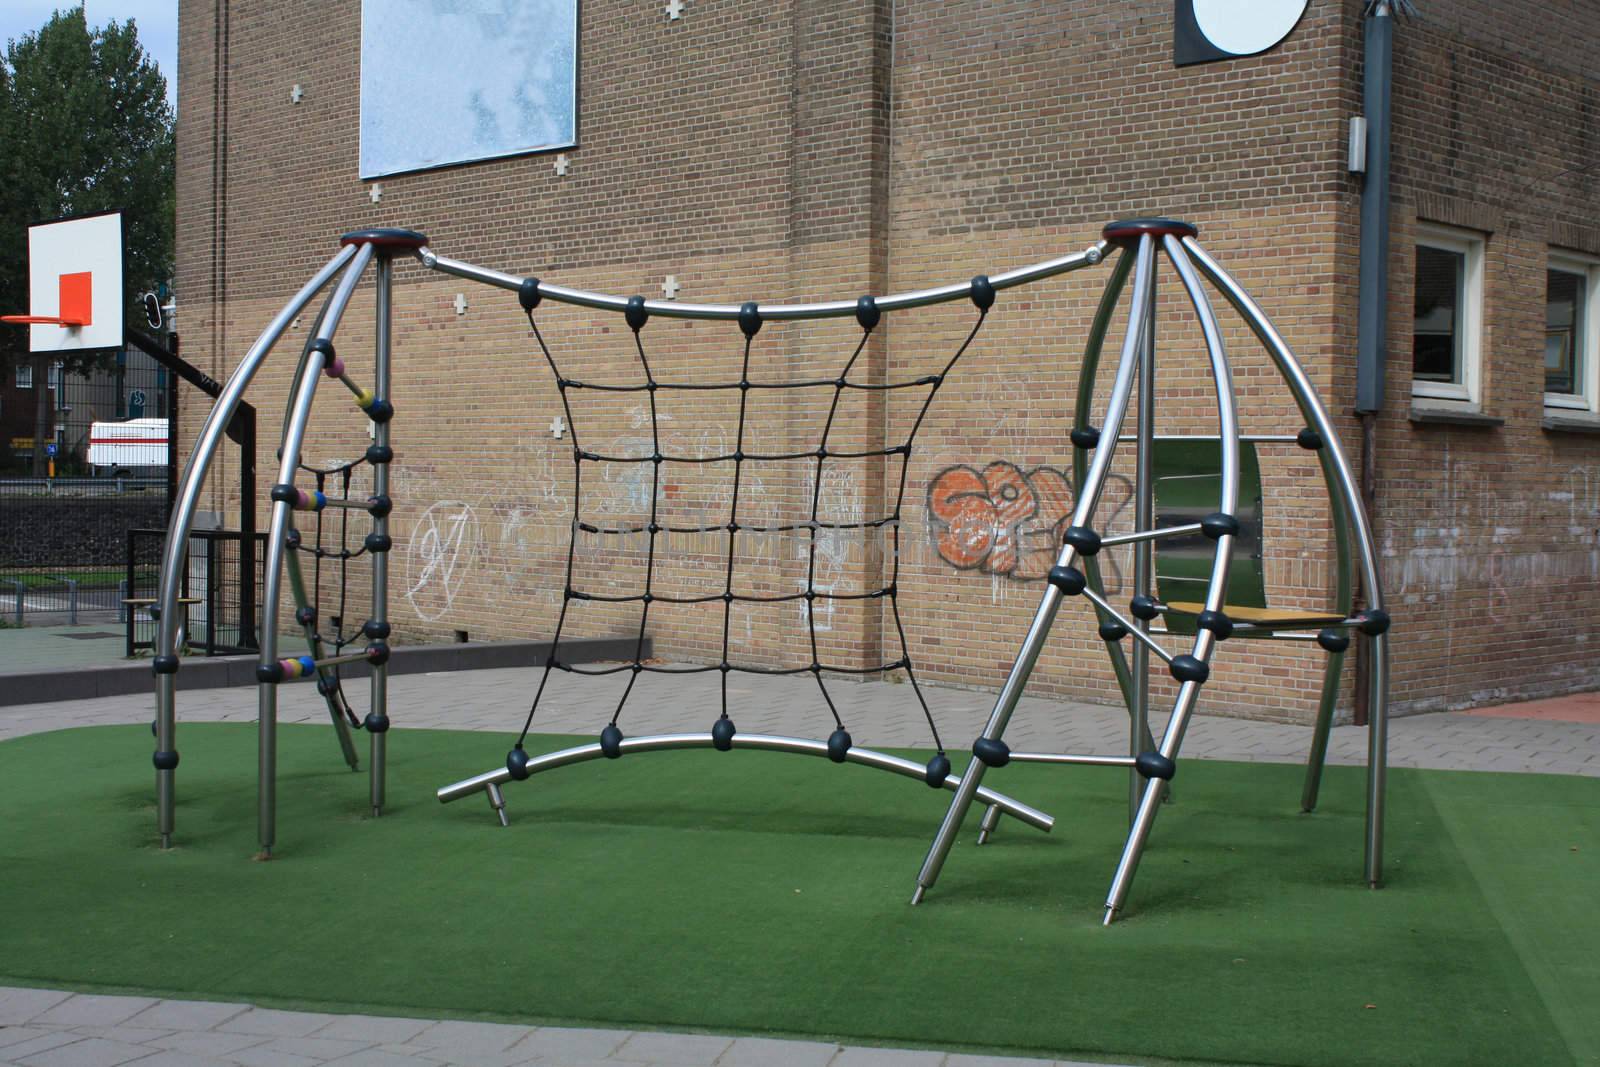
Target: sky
{"type": "Point", "coordinates": [157, 21]}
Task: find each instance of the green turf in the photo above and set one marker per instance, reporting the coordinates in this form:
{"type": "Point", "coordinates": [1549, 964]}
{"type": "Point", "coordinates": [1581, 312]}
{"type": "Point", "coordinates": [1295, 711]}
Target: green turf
{"type": "Point", "coordinates": [754, 892]}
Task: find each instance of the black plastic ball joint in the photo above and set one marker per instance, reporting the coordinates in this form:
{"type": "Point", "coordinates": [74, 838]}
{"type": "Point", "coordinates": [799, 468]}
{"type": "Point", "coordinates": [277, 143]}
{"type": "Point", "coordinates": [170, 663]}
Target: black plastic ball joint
{"type": "Point", "coordinates": [1217, 525]}
{"type": "Point", "coordinates": [1187, 668]}
{"type": "Point", "coordinates": [378, 454]}
{"type": "Point", "coordinates": [164, 665]}
{"type": "Point", "coordinates": [1085, 540]}
{"type": "Point", "coordinates": [306, 616]}
{"type": "Point", "coordinates": [992, 751]}
{"type": "Point", "coordinates": [611, 741]}
{"type": "Point", "coordinates": [377, 542]}
{"type": "Point", "coordinates": [636, 315]}
{"type": "Point", "coordinates": [1374, 621]}
{"type": "Point", "coordinates": [1155, 765]}
{"type": "Point", "coordinates": [1113, 631]}
{"type": "Point", "coordinates": [379, 506]}
{"type": "Point", "coordinates": [528, 294]}
{"type": "Point", "coordinates": [375, 723]}
{"type": "Point", "coordinates": [1217, 623]}
{"type": "Point", "coordinates": [376, 631]}
{"type": "Point", "coordinates": [938, 770]}
{"type": "Point", "coordinates": [283, 494]}
{"type": "Point", "coordinates": [867, 313]}
{"type": "Point", "coordinates": [292, 538]}
{"type": "Point", "coordinates": [982, 292]}
{"type": "Point", "coordinates": [326, 686]}
{"type": "Point", "coordinates": [750, 318]}
{"type": "Point", "coordinates": [517, 763]}
{"type": "Point", "coordinates": [1144, 607]}
{"type": "Point", "coordinates": [839, 743]}
{"type": "Point", "coordinates": [154, 728]}
{"type": "Point", "coordinates": [165, 761]}
{"type": "Point", "coordinates": [269, 673]}
{"type": "Point", "coordinates": [1069, 580]}
{"type": "Point", "coordinates": [1084, 437]}
{"type": "Point", "coordinates": [722, 732]}
{"type": "Point", "coordinates": [377, 653]}
{"type": "Point", "coordinates": [1333, 639]}
{"type": "Point", "coordinates": [380, 411]}
{"type": "Point", "coordinates": [1309, 439]}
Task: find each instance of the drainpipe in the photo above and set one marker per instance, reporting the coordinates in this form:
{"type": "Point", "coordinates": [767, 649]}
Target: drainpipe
{"type": "Point", "coordinates": [1373, 279]}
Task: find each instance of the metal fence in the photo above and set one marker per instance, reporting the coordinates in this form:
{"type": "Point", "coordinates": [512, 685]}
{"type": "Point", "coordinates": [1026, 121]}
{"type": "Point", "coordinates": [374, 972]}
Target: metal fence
{"type": "Point", "coordinates": [221, 611]}
{"type": "Point", "coordinates": [64, 527]}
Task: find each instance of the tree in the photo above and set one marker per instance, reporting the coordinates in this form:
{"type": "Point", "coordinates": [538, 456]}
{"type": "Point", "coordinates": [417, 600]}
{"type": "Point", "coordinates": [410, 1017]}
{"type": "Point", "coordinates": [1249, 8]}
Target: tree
{"type": "Point", "coordinates": [84, 127]}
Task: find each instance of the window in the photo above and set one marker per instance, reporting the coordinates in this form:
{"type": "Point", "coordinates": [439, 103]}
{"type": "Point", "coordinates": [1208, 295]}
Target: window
{"type": "Point", "coordinates": [1571, 331]}
{"type": "Point", "coordinates": [1447, 320]}
{"type": "Point", "coordinates": [24, 375]}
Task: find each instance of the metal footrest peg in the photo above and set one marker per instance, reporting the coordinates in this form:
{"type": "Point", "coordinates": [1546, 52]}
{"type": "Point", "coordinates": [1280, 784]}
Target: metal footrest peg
{"type": "Point", "coordinates": [497, 801]}
{"type": "Point", "coordinates": [991, 819]}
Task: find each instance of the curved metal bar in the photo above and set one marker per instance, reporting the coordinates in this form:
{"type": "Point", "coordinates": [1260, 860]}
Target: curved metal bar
{"type": "Point", "coordinates": [1217, 589]}
{"type": "Point", "coordinates": [761, 742]}
{"type": "Point", "coordinates": [277, 537]}
{"type": "Point", "coordinates": [182, 522]}
{"type": "Point", "coordinates": [1087, 372]}
{"type": "Point", "coordinates": [672, 309]}
{"type": "Point", "coordinates": [1316, 417]}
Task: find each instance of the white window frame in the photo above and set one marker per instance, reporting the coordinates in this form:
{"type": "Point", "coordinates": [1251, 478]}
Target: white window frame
{"type": "Point", "coordinates": [1588, 355]}
{"type": "Point", "coordinates": [24, 375]}
{"type": "Point", "coordinates": [1469, 322]}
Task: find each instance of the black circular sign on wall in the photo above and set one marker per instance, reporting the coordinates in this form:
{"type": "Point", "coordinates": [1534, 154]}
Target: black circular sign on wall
{"type": "Point", "coordinates": [1205, 31]}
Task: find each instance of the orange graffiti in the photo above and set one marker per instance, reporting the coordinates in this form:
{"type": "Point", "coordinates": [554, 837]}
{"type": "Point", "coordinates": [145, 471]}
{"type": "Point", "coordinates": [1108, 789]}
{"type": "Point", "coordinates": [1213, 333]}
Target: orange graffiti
{"type": "Point", "coordinates": [1000, 519]}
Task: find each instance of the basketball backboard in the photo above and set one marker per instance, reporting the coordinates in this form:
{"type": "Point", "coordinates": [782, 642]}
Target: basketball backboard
{"type": "Point", "coordinates": [75, 284]}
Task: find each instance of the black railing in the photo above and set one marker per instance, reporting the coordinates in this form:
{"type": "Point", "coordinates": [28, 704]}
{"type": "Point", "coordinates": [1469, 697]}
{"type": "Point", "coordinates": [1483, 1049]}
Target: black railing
{"type": "Point", "coordinates": [221, 617]}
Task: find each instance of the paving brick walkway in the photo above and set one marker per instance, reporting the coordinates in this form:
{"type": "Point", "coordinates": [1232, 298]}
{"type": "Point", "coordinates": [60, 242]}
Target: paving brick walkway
{"type": "Point", "coordinates": [43, 1028]}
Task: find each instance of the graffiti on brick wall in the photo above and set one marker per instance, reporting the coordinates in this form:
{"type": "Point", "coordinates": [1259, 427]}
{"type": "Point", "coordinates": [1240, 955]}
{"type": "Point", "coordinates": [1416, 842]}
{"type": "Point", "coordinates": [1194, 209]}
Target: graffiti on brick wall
{"type": "Point", "coordinates": [1002, 520]}
{"type": "Point", "coordinates": [444, 546]}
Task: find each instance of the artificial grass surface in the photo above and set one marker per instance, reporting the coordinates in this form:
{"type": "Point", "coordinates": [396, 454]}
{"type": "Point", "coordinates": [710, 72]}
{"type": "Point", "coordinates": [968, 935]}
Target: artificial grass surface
{"type": "Point", "coordinates": [762, 893]}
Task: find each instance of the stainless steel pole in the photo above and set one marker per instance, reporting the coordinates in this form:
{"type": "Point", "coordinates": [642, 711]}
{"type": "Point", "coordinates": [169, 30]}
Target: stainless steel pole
{"type": "Point", "coordinates": [1050, 603]}
{"type": "Point", "coordinates": [1316, 417]}
{"type": "Point", "coordinates": [182, 522]}
{"type": "Point", "coordinates": [378, 717]}
{"type": "Point", "coordinates": [278, 530]}
{"type": "Point", "coordinates": [1216, 589]}
{"type": "Point", "coordinates": [1087, 372]}
{"type": "Point", "coordinates": [1144, 518]}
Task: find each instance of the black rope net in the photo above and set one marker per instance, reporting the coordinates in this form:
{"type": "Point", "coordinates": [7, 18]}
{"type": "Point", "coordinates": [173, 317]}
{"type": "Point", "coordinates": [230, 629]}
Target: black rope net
{"type": "Point", "coordinates": [732, 522]}
{"type": "Point", "coordinates": [330, 554]}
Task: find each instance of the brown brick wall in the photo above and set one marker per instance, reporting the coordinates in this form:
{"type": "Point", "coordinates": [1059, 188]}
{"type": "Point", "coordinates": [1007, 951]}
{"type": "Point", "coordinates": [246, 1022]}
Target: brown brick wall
{"type": "Point", "coordinates": [821, 150]}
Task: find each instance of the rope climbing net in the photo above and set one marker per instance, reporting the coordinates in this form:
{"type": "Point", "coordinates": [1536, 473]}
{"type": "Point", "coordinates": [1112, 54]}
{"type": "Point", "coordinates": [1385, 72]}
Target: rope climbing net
{"type": "Point", "coordinates": [732, 522]}
{"type": "Point", "coordinates": [331, 556]}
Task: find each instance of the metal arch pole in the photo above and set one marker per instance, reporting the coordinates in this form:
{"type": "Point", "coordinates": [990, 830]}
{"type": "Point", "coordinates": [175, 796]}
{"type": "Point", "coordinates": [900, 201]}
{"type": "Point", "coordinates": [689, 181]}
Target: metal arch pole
{"type": "Point", "coordinates": [377, 763]}
{"type": "Point", "coordinates": [1144, 518]}
{"type": "Point", "coordinates": [866, 757]}
{"type": "Point", "coordinates": [1087, 373]}
{"type": "Point", "coordinates": [1216, 590]}
{"type": "Point", "coordinates": [1050, 602]}
{"type": "Point", "coordinates": [1316, 416]}
{"type": "Point", "coordinates": [278, 529]}
{"type": "Point", "coordinates": [291, 562]}
{"type": "Point", "coordinates": [182, 521]}
{"type": "Point", "coordinates": [673, 309]}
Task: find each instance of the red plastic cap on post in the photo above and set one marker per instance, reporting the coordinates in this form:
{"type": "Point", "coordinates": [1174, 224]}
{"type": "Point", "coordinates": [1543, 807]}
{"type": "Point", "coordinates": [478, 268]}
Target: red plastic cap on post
{"type": "Point", "coordinates": [1128, 231]}
{"type": "Point", "coordinates": [407, 240]}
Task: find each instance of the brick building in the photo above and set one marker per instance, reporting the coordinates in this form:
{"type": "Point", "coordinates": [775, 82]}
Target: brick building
{"type": "Point", "coordinates": [837, 147]}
